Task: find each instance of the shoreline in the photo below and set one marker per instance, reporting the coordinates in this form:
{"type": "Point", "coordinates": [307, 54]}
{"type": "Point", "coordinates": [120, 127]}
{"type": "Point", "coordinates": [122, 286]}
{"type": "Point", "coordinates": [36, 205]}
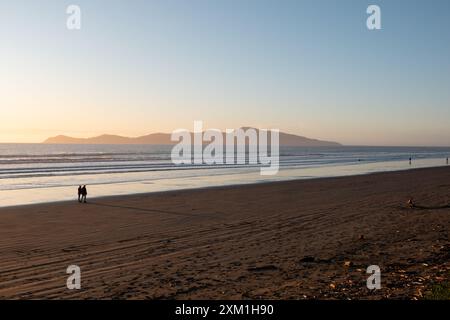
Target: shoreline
{"type": "Point", "coordinates": [118, 197]}
{"type": "Point", "coordinates": [298, 239]}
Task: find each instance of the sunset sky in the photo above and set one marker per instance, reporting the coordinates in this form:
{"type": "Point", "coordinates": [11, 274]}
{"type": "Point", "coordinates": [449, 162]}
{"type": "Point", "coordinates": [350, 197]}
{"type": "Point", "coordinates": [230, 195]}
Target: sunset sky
{"type": "Point", "coordinates": [306, 67]}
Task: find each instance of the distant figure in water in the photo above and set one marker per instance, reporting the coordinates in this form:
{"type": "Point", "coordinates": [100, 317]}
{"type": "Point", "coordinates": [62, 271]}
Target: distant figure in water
{"type": "Point", "coordinates": [447, 160]}
{"type": "Point", "coordinates": [410, 160]}
{"type": "Point", "coordinates": [79, 193]}
{"type": "Point", "coordinates": [83, 194]}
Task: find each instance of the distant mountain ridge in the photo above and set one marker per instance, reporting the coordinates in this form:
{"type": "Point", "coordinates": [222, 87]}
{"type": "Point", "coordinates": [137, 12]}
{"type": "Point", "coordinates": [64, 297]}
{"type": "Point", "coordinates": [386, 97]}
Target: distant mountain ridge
{"type": "Point", "coordinates": [286, 139]}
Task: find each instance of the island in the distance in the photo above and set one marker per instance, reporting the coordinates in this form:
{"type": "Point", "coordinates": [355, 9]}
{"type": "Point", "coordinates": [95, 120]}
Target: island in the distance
{"type": "Point", "coordinates": [286, 139]}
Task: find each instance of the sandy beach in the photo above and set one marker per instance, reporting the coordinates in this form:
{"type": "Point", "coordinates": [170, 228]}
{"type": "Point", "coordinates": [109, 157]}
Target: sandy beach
{"type": "Point", "coordinates": [285, 240]}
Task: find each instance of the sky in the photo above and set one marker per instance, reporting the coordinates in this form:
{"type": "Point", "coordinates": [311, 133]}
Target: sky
{"type": "Point", "coordinates": [306, 67]}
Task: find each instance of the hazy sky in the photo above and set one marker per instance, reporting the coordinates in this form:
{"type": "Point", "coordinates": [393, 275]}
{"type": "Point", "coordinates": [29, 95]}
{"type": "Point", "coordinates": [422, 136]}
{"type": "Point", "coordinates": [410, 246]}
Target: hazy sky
{"type": "Point", "coordinates": [306, 67]}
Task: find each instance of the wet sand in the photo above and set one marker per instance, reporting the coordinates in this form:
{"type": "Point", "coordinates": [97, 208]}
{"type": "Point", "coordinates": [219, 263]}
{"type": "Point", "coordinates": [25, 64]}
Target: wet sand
{"type": "Point", "coordinates": [285, 240]}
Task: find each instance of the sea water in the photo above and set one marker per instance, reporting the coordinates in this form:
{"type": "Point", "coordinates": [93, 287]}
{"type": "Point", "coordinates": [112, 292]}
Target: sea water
{"type": "Point", "coordinates": [36, 173]}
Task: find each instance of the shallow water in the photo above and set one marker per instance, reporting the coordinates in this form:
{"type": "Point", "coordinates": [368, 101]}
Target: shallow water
{"type": "Point", "coordinates": [35, 173]}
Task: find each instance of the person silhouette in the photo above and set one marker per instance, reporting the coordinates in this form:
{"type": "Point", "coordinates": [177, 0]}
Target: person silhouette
{"type": "Point", "coordinates": [83, 194]}
{"type": "Point", "coordinates": [79, 193]}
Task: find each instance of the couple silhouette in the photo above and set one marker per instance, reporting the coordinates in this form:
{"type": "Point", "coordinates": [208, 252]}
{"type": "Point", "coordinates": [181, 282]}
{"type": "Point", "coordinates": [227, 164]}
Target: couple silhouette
{"type": "Point", "coordinates": [82, 193]}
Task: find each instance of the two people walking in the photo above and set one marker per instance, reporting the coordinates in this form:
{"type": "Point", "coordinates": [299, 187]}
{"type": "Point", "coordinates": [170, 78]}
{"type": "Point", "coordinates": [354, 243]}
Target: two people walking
{"type": "Point", "coordinates": [82, 193]}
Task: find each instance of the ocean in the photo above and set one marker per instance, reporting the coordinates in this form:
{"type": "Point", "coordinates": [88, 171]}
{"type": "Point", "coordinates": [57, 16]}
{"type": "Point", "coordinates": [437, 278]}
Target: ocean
{"type": "Point", "coordinates": [36, 173]}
